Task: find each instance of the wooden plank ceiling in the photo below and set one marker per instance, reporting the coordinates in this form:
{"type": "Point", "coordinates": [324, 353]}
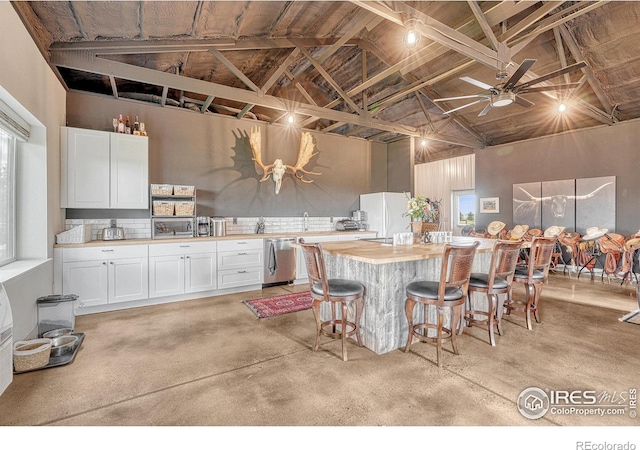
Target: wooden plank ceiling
{"type": "Point", "coordinates": [341, 67]}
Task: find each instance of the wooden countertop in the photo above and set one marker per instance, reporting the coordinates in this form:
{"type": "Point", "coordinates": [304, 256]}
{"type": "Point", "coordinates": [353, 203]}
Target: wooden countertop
{"type": "Point", "coordinates": [378, 253]}
{"type": "Point", "coordinates": [100, 243]}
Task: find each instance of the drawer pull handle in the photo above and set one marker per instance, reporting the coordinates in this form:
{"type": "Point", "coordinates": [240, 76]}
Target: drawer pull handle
{"type": "Point", "coordinates": [109, 250]}
{"type": "Point", "coordinates": [242, 253]}
{"type": "Point", "coordinates": [242, 271]}
{"type": "Point", "coordinates": [185, 246]}
{"type": "Point", "coordinates": [104, 263]}
{"type": "Point", "coordinates": [241, 242]}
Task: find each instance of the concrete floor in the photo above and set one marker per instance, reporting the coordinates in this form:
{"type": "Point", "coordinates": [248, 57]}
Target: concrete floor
{"type": "Point", "coordinates": [211, 362]}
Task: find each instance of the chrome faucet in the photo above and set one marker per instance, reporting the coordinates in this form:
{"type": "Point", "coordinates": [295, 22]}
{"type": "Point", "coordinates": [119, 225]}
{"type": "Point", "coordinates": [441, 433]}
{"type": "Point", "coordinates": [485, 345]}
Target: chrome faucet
{"type": "Point", "coordinates": [306, 221]}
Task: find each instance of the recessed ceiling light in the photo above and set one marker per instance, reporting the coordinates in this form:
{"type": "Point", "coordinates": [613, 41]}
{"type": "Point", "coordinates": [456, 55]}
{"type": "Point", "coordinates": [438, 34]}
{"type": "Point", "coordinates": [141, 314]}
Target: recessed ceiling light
{"type": "Point", "coordinates": [423, 142]}
{"type": "Point", "coordinates": [562, 107]}
{"type": "Point", "coordinates": [290, 118]}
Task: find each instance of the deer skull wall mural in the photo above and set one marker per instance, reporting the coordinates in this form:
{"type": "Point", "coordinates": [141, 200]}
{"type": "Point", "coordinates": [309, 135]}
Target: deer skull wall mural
{"type": "Point", "coordinates": [278, 169]}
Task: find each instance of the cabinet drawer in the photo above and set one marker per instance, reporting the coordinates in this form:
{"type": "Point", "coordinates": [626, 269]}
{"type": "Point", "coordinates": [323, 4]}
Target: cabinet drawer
{"type": "Point", "coordinates": [107, 252]}
{"type": "Point", "coordinates": [239, 245]}
{"type": "Point", "coordinates": [240, 277]}
{"type": "Point", "coordinates": [184, 248]}
{"type": "Point", "coordinates": [240, 259]}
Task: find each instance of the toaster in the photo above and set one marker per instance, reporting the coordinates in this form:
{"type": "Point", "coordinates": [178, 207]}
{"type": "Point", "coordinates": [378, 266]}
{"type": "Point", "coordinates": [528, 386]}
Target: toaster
{"type": "Point", "coordinates": [347, 225]}
{"type": "Point", "coordinates": [112, 234]}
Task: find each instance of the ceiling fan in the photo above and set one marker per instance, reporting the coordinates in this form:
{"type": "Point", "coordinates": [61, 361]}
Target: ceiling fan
{"type": "Point", "coordinates": [508, 92]}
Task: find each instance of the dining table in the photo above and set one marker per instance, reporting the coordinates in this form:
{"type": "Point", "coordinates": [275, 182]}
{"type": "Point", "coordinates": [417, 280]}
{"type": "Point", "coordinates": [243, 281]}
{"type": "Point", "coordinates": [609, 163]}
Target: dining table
{"type": "Point", "coordinates": [385, 270]}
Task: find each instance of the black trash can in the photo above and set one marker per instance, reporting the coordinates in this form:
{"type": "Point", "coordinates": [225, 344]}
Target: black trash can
{"type": "Point", "coordinates": [55, 312]}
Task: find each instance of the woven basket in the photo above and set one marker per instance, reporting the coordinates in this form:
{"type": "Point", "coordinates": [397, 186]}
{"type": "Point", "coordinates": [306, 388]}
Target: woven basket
{"type": "Point", "coordinates": [183, 190]}
{"type": "Point", "coordinates": [29, 355]}
{"type": "Point", "coordinates": [185, 208]}
{"type": "Point", "coordinates": [161, 189]}
{"type": "Point", "coordinates": [76, 235]}
{"type": "Point", "coordinates": [162, 208]}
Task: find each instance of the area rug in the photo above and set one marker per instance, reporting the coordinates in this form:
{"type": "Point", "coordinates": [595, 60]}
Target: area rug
{"type": "Point", "coordinates": [280, 304]}
{"type": "Point", "coordinates": [632, 317]}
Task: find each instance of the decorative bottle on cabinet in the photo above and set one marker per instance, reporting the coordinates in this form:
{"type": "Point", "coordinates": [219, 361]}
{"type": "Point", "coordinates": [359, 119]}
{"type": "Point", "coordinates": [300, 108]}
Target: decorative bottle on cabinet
{"type": "Point", "coordinates": [127, 126]}
{"type": "Point", "coordinates": [120, 124]}
{"type": "Point", "coordinates": [136, 127]}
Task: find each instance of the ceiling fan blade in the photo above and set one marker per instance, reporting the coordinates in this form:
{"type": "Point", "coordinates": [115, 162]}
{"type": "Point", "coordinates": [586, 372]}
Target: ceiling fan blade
{"type": "Point", "coordinates": [485, 110]}
{"type": "Point", "coordinates": [464, 106]}
{"type": "Point", "coordinates": [555, 87]}
{"type": "Point", "coordinates": [523, 101]}
{"type": "Point", "coordinates": [571, 68]}
{"type": "Point", "coordinates": [524, 67]}
{"type": "Point", "coordinates": [475, 82]}
{"type": "Point", "coordinates": [461, 97]}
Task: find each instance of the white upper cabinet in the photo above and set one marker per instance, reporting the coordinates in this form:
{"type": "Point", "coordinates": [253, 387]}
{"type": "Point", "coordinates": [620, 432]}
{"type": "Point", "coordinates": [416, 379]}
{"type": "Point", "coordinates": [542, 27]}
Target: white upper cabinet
{"type": "Point", "coordinates": [104, 170]}
{"type": "Point", "coordinates": [129, 171]}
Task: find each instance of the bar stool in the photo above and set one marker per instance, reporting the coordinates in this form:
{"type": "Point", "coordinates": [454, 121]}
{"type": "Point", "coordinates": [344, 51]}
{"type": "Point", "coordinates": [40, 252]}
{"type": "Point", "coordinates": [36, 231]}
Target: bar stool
{"type": "Point", "coordinates": [334, 291]}
{"type": "Point", "coordinates": [449, 292]}
{"type": "Point", "coordinates": [532, 275]}
{"type": "Point", "coordinates": [495, 283]}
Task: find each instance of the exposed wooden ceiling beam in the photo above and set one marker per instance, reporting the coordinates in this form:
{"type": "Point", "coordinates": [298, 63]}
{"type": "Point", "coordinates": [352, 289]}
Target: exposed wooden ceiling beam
{"type": "Point", "coordinates": [87, 61]}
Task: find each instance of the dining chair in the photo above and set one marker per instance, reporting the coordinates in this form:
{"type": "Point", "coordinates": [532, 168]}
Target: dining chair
{"type": "Point", "coordinates": [495, 284]}
{"type": "Point", "coordinates": [532, 276]}
{"type": "Point", "coordinates": [335, 292]}
{"type": "Point", "coordinates": [448, 293]}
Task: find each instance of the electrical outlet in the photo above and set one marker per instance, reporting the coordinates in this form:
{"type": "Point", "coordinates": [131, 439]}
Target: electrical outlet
{"type": "Point", "coordinates": [331, 219]}
{"type": "Point", "coordinates": [235, 221]}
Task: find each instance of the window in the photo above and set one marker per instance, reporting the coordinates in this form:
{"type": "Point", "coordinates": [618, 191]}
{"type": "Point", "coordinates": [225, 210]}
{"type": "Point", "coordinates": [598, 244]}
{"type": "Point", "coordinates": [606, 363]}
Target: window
{"type": "Point", "coordinates": [464, 208]}
{"type": "Point", "coordinates": [7, 197]}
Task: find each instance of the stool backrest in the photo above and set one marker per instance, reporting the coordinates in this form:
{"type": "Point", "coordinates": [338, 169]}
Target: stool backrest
{"type": "Point", "coordinates": [314, 261]}
{"type": "Point", "coordinates": [457, 262]}
{"type": "Point", "coordinates": [504, 260]}
{"type": "Point", "coordinates": [540, 254]}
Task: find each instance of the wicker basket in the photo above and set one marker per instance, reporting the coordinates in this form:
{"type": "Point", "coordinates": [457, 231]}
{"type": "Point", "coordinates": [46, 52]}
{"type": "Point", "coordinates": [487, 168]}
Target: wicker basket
{"type": "Point", "coordinates": [76, 235]}
{"type": "Point", "coordinates": [161, 189]}
{"type": "Point", "coordinates": [183, 190]}
{"type": "Point", "coordinates": [30, 355]}
{"type": "Point", "coordinates": [162, 208]}
{"type": "Point", "coordinates": [185, 208]}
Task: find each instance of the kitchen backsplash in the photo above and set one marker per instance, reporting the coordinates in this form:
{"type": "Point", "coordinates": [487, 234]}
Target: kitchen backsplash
{"type": "Point", "coordinates": [141, 228]}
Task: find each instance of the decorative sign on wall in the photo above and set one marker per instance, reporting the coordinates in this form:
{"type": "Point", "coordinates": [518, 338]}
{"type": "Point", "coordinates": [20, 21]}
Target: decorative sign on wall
{"type": "Point", "coordinates": [278, 168]}
{"type": "Point", "coordinates": [574, 204]}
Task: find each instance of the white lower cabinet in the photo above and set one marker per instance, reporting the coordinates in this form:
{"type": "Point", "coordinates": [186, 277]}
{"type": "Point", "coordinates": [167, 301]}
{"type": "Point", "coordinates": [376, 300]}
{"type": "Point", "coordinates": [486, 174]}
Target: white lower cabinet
{"type": "Point", "coordinates": [182, 268]}
{"type": "Point", "coordinates": [240, 263]}
{"type": "Point", "coordinates": [104, 275]}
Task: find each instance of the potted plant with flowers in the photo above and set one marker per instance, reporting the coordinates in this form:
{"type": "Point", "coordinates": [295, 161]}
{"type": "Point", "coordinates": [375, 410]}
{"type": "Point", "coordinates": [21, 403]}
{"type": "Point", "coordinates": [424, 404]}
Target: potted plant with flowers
{"type": "Point", "coordinates": [422, 211]}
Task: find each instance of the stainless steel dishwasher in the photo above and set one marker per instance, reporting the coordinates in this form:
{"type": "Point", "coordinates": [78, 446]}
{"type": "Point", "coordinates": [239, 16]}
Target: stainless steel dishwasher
{"type": "Point", "coordinates": [279, 261]}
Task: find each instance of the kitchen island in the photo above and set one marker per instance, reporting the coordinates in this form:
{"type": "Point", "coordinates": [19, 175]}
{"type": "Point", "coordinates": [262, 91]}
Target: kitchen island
{"type": "Point", "coordinates": [385, 271]}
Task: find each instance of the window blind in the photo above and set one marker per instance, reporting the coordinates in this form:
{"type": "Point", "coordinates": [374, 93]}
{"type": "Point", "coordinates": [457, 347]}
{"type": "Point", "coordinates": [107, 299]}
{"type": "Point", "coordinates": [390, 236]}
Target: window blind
{"type": "Point", "coordinates": [13, 123]}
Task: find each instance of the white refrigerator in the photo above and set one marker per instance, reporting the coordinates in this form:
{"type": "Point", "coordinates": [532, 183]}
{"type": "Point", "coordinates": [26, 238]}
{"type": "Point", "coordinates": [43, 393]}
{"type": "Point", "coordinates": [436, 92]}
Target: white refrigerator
{"type": "Point", "coordinates": [385, 212]}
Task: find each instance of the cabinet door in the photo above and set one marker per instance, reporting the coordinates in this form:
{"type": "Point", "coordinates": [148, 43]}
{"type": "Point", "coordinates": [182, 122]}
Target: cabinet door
{"type": "Point", "coordinates": [128, 279]}
{"type": "Point", "coordinates": [85, 168]}
{"type": "Point", "coordinates": [129, 172]}
{"type": "Point", "coordinates": [166, 275]}
{"type": "Point", "coordinates": [301, 266]}
{"type": "Point", "coordinates": [86, 279]}
{"type": "Point", "coordinates": [200, 272]}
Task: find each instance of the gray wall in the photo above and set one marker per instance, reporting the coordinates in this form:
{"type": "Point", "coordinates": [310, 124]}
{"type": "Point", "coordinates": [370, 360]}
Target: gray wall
{"type": "Point", "coordinates": [212, 152]}
{"type": "Point", "coordinates": [596, 152]}
{"type": "Point", "coordinates": [400, 166]}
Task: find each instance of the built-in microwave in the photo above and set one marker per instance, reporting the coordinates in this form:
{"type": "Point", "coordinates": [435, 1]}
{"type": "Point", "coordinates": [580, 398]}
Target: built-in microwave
{"type": "Point", "coordinates": [168, 228]}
